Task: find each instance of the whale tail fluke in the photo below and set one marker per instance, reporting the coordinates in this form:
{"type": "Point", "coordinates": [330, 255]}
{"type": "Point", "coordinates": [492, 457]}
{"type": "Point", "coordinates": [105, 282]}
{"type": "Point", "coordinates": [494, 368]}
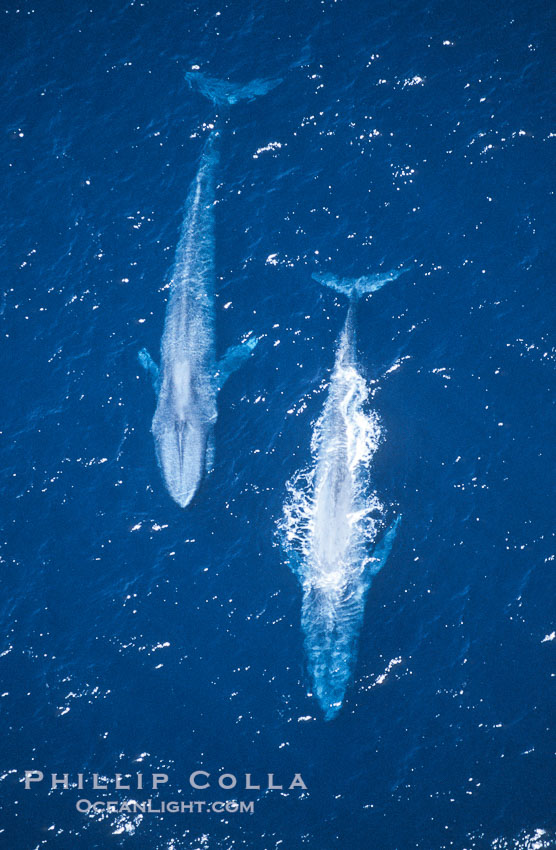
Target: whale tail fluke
{"type": "Point", "coordinates": [221, 92]}
{"type": "Point", "coordinates": [357, 287]}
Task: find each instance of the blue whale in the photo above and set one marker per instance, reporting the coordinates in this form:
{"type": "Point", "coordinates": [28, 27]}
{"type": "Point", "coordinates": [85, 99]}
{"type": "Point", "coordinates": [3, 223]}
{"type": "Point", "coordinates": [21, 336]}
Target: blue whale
{"type": "Point", "coordinates": [189, 377]}
{"type": "Point", "coordinates": [332, 530]}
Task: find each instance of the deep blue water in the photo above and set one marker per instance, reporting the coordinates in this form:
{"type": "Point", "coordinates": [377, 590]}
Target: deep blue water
{"type": "Point", "coordinates": [131, 629]}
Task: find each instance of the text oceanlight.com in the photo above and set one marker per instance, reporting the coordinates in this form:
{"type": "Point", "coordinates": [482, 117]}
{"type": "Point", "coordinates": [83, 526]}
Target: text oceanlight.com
{"type": "Point", "coordinates": [133, 807]}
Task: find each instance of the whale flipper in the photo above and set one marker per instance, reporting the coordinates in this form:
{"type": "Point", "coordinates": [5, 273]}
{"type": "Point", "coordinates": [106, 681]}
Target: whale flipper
{"type": "Point", "coordinates": [355, 287]}
{"type": "Point", "coordinates": [383, 549]}
{"type": "Point", "coordinates": [209, 457]}
{"type": "Point", "coordinates": [150, 366]}
{"type": "Point", "coordinates": [234, 357]}
{"type": "Point", "coordinates": [222, 92]}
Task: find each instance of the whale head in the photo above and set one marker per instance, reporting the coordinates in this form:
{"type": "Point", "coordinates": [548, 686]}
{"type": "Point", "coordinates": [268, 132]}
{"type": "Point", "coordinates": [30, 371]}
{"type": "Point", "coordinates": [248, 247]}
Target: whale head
{"type": "Point", "coordinates": [181, 448]}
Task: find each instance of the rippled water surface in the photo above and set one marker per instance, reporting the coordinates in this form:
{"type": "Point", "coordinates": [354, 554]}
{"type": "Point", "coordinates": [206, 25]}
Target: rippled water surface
{"type": "Point", "coordinates": [136, 636]}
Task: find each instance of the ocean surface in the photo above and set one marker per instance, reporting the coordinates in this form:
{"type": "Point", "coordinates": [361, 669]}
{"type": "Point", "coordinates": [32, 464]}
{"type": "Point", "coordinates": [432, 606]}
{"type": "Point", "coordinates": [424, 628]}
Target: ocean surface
{"type": "Point", "coordinates": [137, 636]}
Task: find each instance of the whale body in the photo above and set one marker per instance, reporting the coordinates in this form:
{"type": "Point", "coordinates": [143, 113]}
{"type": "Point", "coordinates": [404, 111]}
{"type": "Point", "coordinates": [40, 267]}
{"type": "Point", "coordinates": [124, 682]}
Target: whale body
{"type": "Point", "coordinates": [332, 530]}
{"type": "Point", "coordinates": [189, 377]}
